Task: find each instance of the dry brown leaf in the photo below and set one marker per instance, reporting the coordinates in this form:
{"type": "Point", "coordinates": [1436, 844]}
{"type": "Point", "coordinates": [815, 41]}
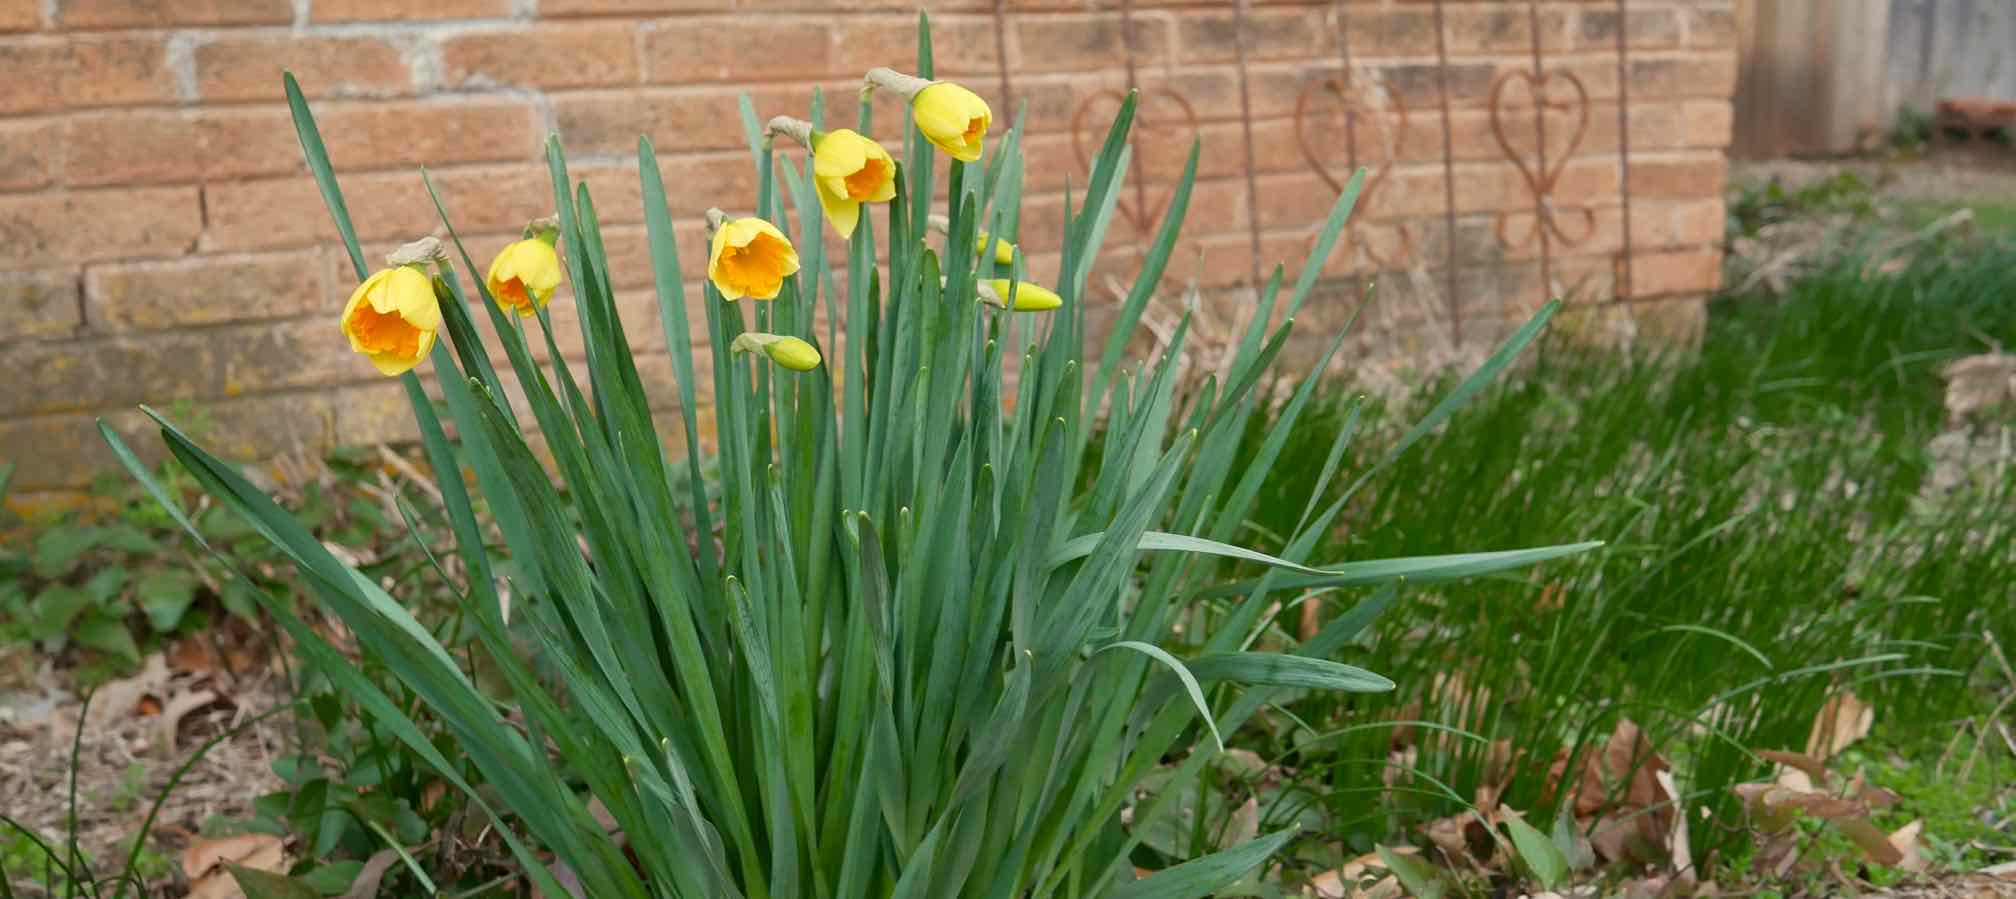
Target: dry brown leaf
{"type": "Point", "coordinates": [1344, 882]}
{"type": "Point", "coordinates": [120, 699]}
{"type": "Point", "coordinates": [1244, 824]}
{"type": "Point", "coordinates": [177, 709]}
{"type": "Point", "coordinates": [204, 861]}
{"type": "Point", "coordinates": [1617, 794]}
{"type": "Point", "coordinates": [1811, 772]}
{"type": "Point", "coordinates": [1905, 841]}
{"type": "Point", "coordinates": [1843, 719]}
{"type": "Point", "coordinates": [1678, 848]}
{"type": "Point", "coordinates": [366, 884]}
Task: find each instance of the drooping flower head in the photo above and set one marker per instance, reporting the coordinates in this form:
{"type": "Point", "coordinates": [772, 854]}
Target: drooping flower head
{"type": "Point", "coordinates": [392, 318]}
{"type": "Point", "coordinates": [950, 116]}
{"type": "Point", "coordinates": [748, 257]}
{"type": "Point", "coordinates": [790, 352]}
{"type": "Point", "coordinates": [524, 274]}
{"type": "Point", "coordinates": [1027, 297]}
{"type": "Point", "coordinates": [847, 168]}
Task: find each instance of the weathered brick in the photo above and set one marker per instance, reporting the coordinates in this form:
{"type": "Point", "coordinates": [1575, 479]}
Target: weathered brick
{"type": "Point", "coordinates": [204, 290]}
{"type": "Point", "coordinates": [98, 224]}
{"type": "Point", "coordinates": [1390, 31]}
{"type": "Point", "coordinates": [1708, 123]}
{"type": "Point", "coordinates": [39, 303]}
{"type": "Point", "coordinates": [1502, 28]}
{"type": "Point", "coordinates": [68, 452]}
{"type": "Point", "coordinates": [160, 14]}
{"type": "Point", "coordinates": [395, 10]}
{"type": "Point", "coordinates": [1654, 28]}
{"type": "Point", "coordinates": [1694, 75]}
{"type": "Point", "coordinates": [546, 54]}
{"type": "Point", "coordinates": [1690, 177]}
{"type": "Point", "coordinates": [681, 51]}
{"type": "Point", "coordinates": [370, 135]}
{"type": "Point", "coordinates": [74, 73]}
{"type": "Point", "coordinates": [248, 67]}
{"type": "Point", "coordinates": [28, 153]}
{"type": "Point", "coordinates": [20, 15]}
{"type": "Point", "coordinates": [676, 119]}
{"type": "Point", "coordinates": [129, 147]}
{"type": "Point", "coordinates": [960, 45]}
{"type": "Point", "coordinates": [1268, 34]}
{"type": "Point", "coordinates": [1711, 27]}
{"type": "Point", "coordinates": [562, 8]}
{"type": "Point", "coordinates": [1092, 41]}
{"type": "Point", "coordinates": [83, 375]}
{"type": "Point", "coordinates": [1692, 271]}
{"type": "Point", "coordinates": [287, 212]}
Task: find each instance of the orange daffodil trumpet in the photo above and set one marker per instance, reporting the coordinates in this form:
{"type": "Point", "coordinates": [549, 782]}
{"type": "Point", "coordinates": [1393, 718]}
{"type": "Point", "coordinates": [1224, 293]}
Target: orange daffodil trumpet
{"type": "Point", "coordinates": [952, 117]}
{"type": "Point", "coordinates": [1004, 252]}
{"type": "Point", "coordinates": [848, 170]}
{"type": "Point", "coordinates": [393, 317]}
{"type": "Point", "coordinates": [790, 352]}
{"type": "Point", "coordinates": [748, 257]}
{"type": "Point", "coordinates": [1027, 297]}
{"type": "Point", "coordinates": [524, 274]}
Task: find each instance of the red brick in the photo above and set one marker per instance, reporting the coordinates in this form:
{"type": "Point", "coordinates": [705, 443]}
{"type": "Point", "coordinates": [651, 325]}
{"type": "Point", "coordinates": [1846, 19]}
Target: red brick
{"type": "Point", "coordinates": [960, 45]}
{"type": "Point", "coordinates": [288, 212]}
{"type": "Point", "coordinates": [1268, 34]}
{"type": "Point", "coordinates": [1653, 28]}
{"type": "Point", "coordinates": [676, 119]}
{"type": "Point", "coordinates": [395, 10]}
{"type": "Point", "coordinates": [1058, 43]}
{"type": "Point", "coordinates": [548, 54]}
{"type": "Point", "coordinates": [1708, 123]}
{"type": "Point", "coordinates": [1711, 27]}
{"type": "Point", "coordinates": [679, 51]}
{"type": "Point", "coordinates": [167, 367]}
{"type": "Point", "coordinates": [130, 147]}
{"type": "Point", "coordinates": [20, 15]}
{"type": "Point", "coordinates": [1391, 31]}
{"type": "Point", "coordinates": [1679, 178]}
{"type": "Point", "coordinates": [28, 154]}
{"type": "Point", "coordinates": [171, 13]}
{"type": "Point", "coordinates": [1698, 75]}
{"type": "Point", "coordinates": [98, 224]}
{"type": "Point", "coordinates": [1495, 28]}
{"type": "Point", "coordinates": [248, 67]}
{"type": "Point", "coordinates": [39, 303]}
{"type": "Point", "coordinates": [83, 72]}
{"type": "Point", "coordinates": [1676, 272]}
{"type": "Point", "coordinates": [563, 8]}
{"type": "Point", "coordinates": [204, 290]}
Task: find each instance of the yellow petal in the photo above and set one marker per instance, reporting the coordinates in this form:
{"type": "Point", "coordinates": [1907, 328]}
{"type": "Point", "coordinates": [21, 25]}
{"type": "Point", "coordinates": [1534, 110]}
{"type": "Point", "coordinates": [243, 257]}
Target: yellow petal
{"type": "Point", "coordinates": [843, 214]}
{"type": "Point", "coordinates": [840, 153]}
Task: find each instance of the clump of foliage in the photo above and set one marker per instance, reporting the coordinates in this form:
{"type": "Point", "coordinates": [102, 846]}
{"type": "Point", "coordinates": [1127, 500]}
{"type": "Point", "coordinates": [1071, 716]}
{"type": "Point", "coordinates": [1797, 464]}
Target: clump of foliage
{"type": "Point", "coordinates": [903, 653]}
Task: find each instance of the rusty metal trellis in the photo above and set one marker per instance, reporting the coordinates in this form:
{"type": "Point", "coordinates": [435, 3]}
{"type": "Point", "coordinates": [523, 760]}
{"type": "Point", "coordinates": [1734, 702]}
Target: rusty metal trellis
{"type": "Point", "coordinates": [1541, 178]}
{"type": "Point", "coordinates": [1354, 100]}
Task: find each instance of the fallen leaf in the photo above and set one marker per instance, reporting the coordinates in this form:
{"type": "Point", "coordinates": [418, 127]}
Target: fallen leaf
{"type": "Point", "coordinates": [1905, 841]}
{"type": "Point", "coordinates": [1348, 882]}
{"type": "Point", "coordinates": [1243, 825]}
{"type": "Point", "coordinates": [366, 884]}
{"type": "Point", "coordinates": [176, 710]}
{"type": "Point", "coordinates": [204, 861]}
{"type": "Point", "coordinates": [120, 699]}
{"type": "Point", "coordinates": [1800, 771]}
{"type": "Point", "coordinates": [1842, 720]}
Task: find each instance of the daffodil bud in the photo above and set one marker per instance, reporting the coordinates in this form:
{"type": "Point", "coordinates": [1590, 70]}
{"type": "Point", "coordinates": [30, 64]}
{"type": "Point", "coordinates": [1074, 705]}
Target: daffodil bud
{"type": "Point", "coordinates": [392, 318]}
{"type": "Point", "coordinates": [1004, 252]}
{"type": "Point", "coordinates": [950, 116]}
{"type": "Point", "coordinates": [1028, 297]}
{"type": "Point", "coordinates": [748, 257]}
{"type": "Point", "coordinates": [790, 352]}
{"type": "Point", "coordinates": [523, 276]}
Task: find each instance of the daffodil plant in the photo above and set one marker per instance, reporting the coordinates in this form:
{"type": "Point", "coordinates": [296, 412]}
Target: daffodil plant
{"type": "Point", "coordinates": [916, 646]}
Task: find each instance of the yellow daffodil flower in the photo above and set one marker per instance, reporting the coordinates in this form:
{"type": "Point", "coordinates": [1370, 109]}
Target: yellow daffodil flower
{"type": "Point", "coordinates": [848, 170]}
{"type": "Point", "coordinates": [392, 318]}
{"type": "Point", "coordinates": [1004, 251]}
{"type": "Point", "coordinates": [523, 276]}
{"type": "Point", "coordinates": [748, 257]}
{"type": "Point", "coordinates": [952, 117]}
{"type": "Point", "coordinates": [790, 352]}
{"type": "Point", "coordinates": [1028, 297]}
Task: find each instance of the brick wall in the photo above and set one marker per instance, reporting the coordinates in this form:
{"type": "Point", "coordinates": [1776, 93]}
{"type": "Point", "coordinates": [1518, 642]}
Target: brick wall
{"type": "Point", "coordinates": [161, 242]}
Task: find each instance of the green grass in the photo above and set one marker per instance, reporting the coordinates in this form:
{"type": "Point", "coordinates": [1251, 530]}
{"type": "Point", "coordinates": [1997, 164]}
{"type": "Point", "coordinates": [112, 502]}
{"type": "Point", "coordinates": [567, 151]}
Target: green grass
{"type": "Point", "coordinates": [1767, 546]}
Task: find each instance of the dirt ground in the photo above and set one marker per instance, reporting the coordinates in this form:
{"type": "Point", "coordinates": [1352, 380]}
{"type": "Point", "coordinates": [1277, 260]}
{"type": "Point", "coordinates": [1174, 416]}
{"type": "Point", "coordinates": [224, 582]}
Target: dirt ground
{"type": "Point", "coordinates": [138, 732]}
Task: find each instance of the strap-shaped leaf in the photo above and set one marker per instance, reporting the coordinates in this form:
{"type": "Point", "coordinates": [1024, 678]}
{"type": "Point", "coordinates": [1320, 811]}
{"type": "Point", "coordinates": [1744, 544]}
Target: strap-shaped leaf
{"type": "Point", "coordinates": [1203, 876]}
{"type": "Point", "coordinates": [1182, 672]}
